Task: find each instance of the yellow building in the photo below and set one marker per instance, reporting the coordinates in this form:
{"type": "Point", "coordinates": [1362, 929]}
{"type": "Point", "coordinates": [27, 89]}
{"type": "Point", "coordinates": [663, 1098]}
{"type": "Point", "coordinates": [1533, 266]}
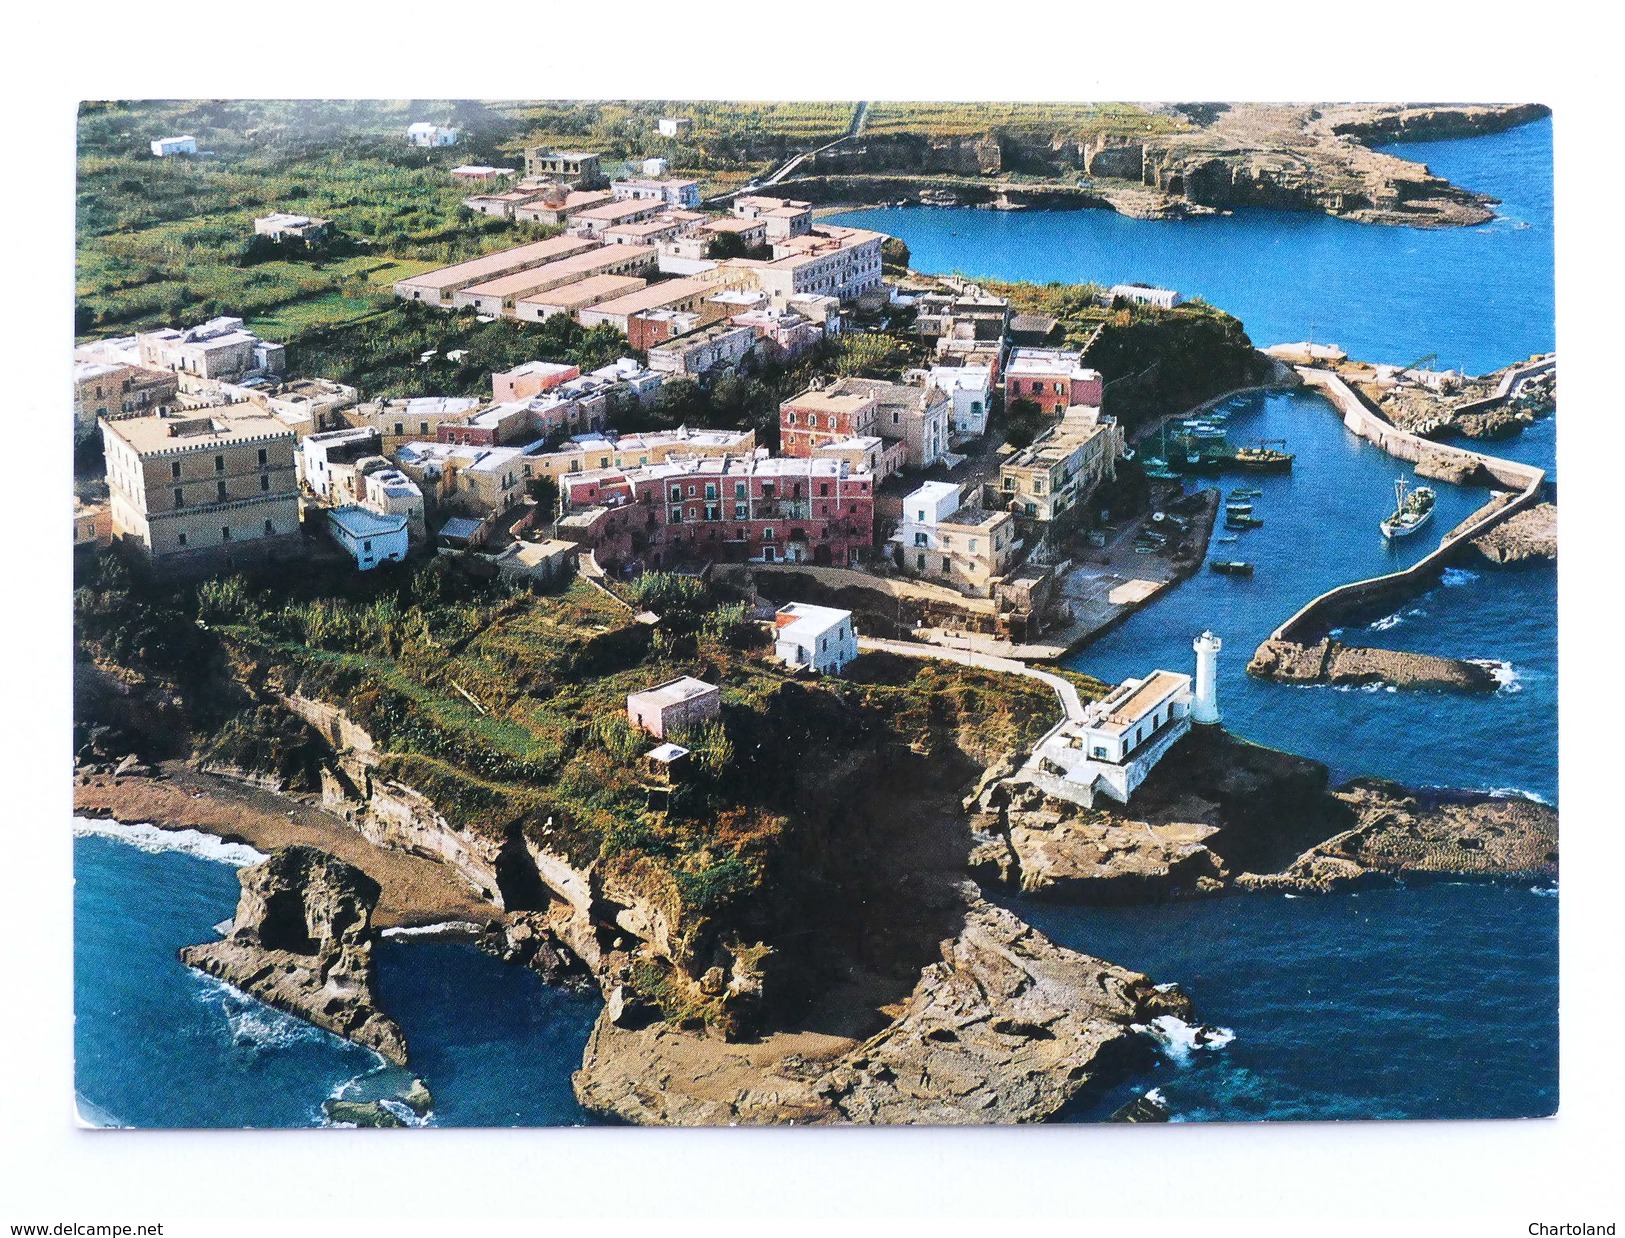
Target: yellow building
{"type": "Point", "coordinates": [205, 479]}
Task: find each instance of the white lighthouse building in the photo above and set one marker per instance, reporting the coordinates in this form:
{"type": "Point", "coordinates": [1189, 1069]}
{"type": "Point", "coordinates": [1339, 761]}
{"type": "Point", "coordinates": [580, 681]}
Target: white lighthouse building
{"type": "Point", "coordinates": [1205, 708]}
{"type": "Point", "coordinates": [1112, 749]}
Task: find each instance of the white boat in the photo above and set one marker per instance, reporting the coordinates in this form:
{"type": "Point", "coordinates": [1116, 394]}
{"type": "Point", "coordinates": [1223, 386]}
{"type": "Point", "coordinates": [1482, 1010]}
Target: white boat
{"type": "Point", "coordinates": [1411, 511]}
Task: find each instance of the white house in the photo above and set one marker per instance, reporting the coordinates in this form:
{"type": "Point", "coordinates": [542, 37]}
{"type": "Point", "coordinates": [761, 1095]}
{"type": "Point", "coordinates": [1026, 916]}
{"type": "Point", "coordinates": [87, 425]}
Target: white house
{"type": "Point", "coordinates": [1121, 738]}
{"type": "Point", "coordinates": [673, 126]}
{"type": "Point", "coordinates": [1145, 294]}
{"type": "Point", "coordinates": [162, 148]}
{"type": "Point", "coordinates": [925, 509]}
{"type": "Point", "coordinates": [968, 386]}
{"type": "Point", "coordinates": [422, 133]}
{"type": "Point", "coordinates": [655, 166]}
{"type": "Point", "coordinates": [370, 537]}
{"type": "Point", "coordinates": [821, 637]}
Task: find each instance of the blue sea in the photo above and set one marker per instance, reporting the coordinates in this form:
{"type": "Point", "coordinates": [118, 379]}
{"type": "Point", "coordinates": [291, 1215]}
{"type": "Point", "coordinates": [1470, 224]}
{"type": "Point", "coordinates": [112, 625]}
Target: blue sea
{"type": "Point", "coordinates": [1433, 1001]}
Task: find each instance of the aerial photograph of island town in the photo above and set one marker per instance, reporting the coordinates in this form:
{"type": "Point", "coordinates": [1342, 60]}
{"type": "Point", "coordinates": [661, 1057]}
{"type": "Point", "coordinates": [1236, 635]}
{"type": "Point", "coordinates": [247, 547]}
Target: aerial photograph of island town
{"type": "Point", "coordinates": [695, 613]}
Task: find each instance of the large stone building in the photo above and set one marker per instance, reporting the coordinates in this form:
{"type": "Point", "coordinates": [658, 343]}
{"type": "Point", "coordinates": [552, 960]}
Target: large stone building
{"type": "Point", "coordinates": [499, 297]}
{"type": "Point", "coordinates": [439, 286]}
{"type": "Point", "coordinates": [1051, 479]}
{"type": "Point", "coordinates": [117, 389]}
{"type": "Point", "coordinates": [859, 407]}
{"type": "Point", "coordinates": [831, 261]}
{"type": "Point", "coordinates": [967, 548]}
{"type": "Point", "coordinates": [205, 481]}
{"type": "Point", "coordinates": [218, 349]}
{"type": "Point", "coordinates": [734, 510]}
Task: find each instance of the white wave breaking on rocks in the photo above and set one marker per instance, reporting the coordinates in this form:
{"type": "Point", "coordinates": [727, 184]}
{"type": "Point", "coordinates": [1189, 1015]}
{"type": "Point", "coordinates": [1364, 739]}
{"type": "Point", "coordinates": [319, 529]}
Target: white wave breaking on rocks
{"type": "Point", "coordinates": [155, 839]}
{"type": "Point", "coordinates": [446, 928]}
{"type": "Point", "coordinates": [1455, 577]}
{"type": "Point", "coordinates": [1516, 793]}
{"type": "Point", "coordinates": [252, 1023]}
{"type": "Point", "coordinates": [1179, 1039]}
{"type": "Point", "coordinates": [1506, 675]}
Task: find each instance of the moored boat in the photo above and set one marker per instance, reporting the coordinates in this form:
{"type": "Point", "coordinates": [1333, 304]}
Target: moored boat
{"type": "Point", "coordinates": [1231, 567]}
{"type": "Point", "coordinates": [1243, 522]}
{"type": "Point", "coordinates": [1411, 510]}
{"type": "Point", "coordinates": [1263, 459]}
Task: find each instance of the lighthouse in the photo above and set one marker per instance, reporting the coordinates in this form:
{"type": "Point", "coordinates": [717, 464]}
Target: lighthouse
{"type": "Point", "coordinates": [1205, 709]}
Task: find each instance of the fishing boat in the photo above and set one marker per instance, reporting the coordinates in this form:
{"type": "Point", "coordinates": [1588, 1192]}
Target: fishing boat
{"type": "Point", "coordinates": [1243, 522]}
{"type": "Point", "coordinates": [1246, 492]}
{"type": "Point", "coordinates": [1225, 537]}
{"type": "Point", "coordinates": [1238, 509]}
{"type": "Point", "coordinates": [1231, 567]}
{"type": "Point", "coordinates": [1411, 510]}
{"type": "Point", "coordinates": [1262, 459]}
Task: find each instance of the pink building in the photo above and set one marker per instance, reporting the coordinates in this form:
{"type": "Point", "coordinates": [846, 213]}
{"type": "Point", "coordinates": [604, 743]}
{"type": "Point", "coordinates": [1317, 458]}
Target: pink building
{"type": "Point", "coordinates": [674, 706]}
{"type": "Point", "coordinates": [1051, 378]}
{"type": "Point", "coordinates": [531, 379]}
{"type": "Point", "coordinates": [734, 509]}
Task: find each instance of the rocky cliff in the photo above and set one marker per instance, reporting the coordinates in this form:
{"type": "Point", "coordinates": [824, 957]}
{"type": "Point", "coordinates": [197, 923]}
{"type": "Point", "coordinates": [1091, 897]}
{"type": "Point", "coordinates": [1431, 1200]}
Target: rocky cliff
{"type": "Point", "coordinates": [302, 941]}
{"type": "Point", "coordinates": [1005, 1027]}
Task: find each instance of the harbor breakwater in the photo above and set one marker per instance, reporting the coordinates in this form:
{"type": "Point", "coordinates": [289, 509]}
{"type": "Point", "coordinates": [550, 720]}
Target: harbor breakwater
{"type": "Point", "coordinates": [1525, 482]}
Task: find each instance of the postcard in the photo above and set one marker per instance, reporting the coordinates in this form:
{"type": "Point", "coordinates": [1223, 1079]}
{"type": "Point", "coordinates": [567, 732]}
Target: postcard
{"type": "Point", "coordinates": [813, 613]}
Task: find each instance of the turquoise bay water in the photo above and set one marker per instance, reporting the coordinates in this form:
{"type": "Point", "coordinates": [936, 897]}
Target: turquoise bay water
{"type": "Point", "coordinates": [1433, 1001]}
{"type": "Point", "coordinates": [159, 1045]}
{"type": "Point", "coordinates": [1478, 297]}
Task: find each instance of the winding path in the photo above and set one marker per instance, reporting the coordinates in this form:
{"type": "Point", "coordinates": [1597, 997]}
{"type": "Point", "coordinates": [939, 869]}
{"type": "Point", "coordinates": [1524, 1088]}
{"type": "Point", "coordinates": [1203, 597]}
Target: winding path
{"type": "Point", "coordinates": [1071, 702]}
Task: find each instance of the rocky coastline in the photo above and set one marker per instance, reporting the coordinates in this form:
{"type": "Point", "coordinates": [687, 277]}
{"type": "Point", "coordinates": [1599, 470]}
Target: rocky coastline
{"type": "Point", "coordinates": [301, 941]}
{"type": "Point", "coordinates": [1219, 815]}
{"type": "Point", "coordinates": [1284, 156]}
{"type": "Point", "coordinates": [1529, 535]}
{"type": "Point", "coordinates": [936, 1006]}
{"type": "Point", "coordinates": [1007, 1027]}
{"type": "Point", "coordinates": [1332, 662]}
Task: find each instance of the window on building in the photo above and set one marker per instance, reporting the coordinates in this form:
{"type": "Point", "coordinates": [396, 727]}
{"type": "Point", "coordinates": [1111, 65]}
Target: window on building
{"type": "Point", "coordinates": [225, 532]}
{"type": "Point", "coordinates": [219, 464]}
{"type": "Point", "coordinates": [425, 428]}
{"type": "Point", "coordinates": [265, 483]}
{"type": "Point", "coordinates": [180, 501]}
{"type": "Point", "coordinates": [919, 562]}
{"type": "Point", "coordinates": [677, 515]}
{"type": "Point", "coordinates": [180, 539]}
{"type": "Point", "coordinates": [739, 489]}
{"type": "Point", "coordinates": [789, 419]}
{"type": "Point", "coordinates": [269, 528]}
{"type": "Point", "coordinates": [676, 492]}
{"type": "Point", "coordinates": [264, 458]}
{"type": "Point", "coordinates": [767, 535]}
{"type": "Point", "coordinates": [920, 539]}
{"type": "Point", "coordinates": [219, 492]}
{"type": "Point", "coordinates": [174, 468]}
{"type": "Point", "coordinates": [367, 545]}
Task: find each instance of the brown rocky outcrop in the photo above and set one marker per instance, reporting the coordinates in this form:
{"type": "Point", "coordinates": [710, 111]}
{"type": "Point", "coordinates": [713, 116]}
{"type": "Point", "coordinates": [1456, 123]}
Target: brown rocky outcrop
{"type": "Point", "coordinates": [1006, 1027]}
{"type": "Point", "coordinates": [1454, 467]}
{"type": "Point", "coordinates": [1531, 534]}
{"type": "Point", "coordinates": [302, 941]}
{"type": "Point", "coordinates": [1331, 662]}
{"type": "Point", "coordinates": [1398, 833]}
{"type": "Point", "coordinates": [1048, 847]}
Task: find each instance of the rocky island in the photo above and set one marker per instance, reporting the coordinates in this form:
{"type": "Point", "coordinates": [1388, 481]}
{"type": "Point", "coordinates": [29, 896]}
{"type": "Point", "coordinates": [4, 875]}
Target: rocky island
{"type": "Point", "coordinates": [302, 941]}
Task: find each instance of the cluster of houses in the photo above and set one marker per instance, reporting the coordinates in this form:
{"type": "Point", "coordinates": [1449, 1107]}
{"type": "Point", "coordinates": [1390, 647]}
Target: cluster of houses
{"type": "Point", "coordinates": [210, 444]}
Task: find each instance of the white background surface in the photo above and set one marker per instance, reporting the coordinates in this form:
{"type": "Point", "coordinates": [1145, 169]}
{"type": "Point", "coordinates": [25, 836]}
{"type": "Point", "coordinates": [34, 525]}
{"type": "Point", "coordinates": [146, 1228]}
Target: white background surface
{"type": "Point", "coordinates": [1433, 1178]}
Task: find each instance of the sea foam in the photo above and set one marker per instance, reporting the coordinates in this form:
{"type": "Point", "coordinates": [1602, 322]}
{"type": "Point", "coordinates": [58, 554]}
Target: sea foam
{"type": "Point", "coordinates": [1455, 577]}
{"type": "Point", "coordinates": [1505, 674]}
{"type": "Point", "coordinates": [1179, 1039]}
{"type": "Point", "coordinates": [155, 839]}
{"type": "Point", "coordinates": [446, 928]}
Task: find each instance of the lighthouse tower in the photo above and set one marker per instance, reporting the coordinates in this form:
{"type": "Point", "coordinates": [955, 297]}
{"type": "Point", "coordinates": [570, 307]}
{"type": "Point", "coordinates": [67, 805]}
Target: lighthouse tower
{"type": "Point", "coordinates": [1205, 708]}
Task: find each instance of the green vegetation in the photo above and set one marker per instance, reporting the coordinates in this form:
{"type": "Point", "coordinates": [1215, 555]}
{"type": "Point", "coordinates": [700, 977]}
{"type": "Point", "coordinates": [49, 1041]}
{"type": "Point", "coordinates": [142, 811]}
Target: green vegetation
{"type": "Point", "coordinates": [1154, 361]}
{"type": "Point", "coordinates": [1023, 120]}
{"type": "Point", "coordinates": [382, 354]}
{"type": "Point", "coordinates": [507, 709]}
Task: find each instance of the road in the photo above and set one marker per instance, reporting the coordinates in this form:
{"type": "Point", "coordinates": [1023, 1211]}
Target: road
{"type": "Point", "coordinates": [1071, 702]}
{"type": "Point", "coordinates": [860, 114]}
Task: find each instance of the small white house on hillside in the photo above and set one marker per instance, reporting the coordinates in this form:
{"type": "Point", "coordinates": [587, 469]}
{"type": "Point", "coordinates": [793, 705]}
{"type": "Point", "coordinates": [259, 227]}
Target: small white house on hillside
{"type": "Point", "coordinates": [820, 637]}
{"type": "Point", "coordinates": [424, 134]}
{"type": "Point", "coordinates": [370, 537]}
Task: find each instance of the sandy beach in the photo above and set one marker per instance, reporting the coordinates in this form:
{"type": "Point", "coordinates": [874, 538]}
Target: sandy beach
{"type": "Point", "coordinates": [416, 890]}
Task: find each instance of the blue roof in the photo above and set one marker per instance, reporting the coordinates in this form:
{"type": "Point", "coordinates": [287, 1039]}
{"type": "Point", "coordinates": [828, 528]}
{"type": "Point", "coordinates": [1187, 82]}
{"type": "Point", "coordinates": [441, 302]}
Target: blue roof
{"type": "Point", "coordinates": [363, 522]}
{"type": "Point", "coordinates": [460, 526]}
